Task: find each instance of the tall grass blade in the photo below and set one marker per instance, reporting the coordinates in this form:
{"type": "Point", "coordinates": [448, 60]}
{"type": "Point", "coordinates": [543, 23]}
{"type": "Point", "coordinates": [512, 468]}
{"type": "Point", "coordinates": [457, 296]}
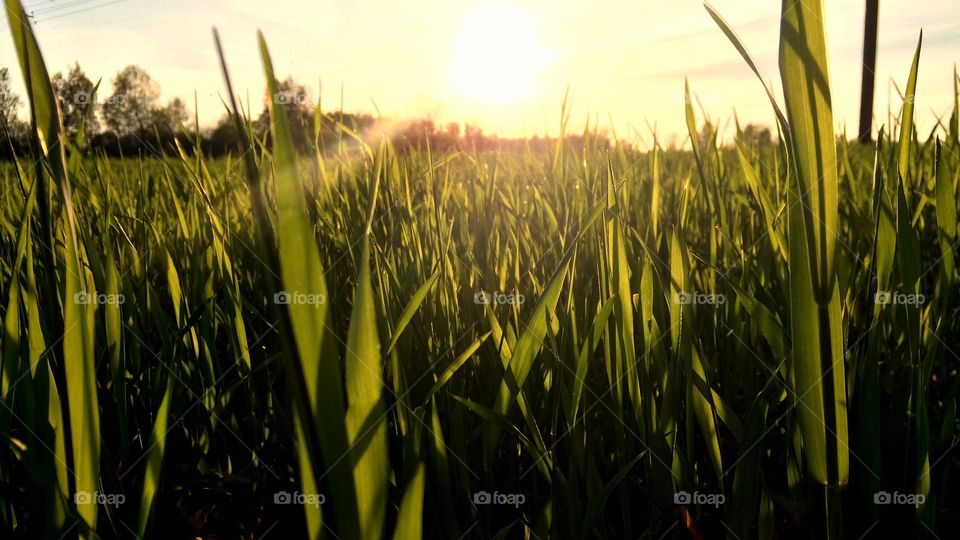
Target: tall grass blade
{"type": "Point", "coordinates": [77, 344]}
{"type": "Point", "coordinates": [699, 398]}
{"type": "Point", "coordinates": [906, 119]}
{"type": "Point", "coordinates": [315, 376]}
{"type": "Point", "coordinates": [946, 217]}
{"type": "Point", "coordinates": [806, 89]}
{"type": "Point", "coordinates": [366, 422]}
{"type": "Point", "coordinates": [154, 459]}
{"type": "Point", "coordinates": [410, 516]}
{"type": "Point", "coordinates": [815, 302]}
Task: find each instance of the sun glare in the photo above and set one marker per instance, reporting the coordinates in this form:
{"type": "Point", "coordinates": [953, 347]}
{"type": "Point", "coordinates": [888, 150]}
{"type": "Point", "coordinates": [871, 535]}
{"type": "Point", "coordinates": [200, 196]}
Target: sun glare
{"type": "Point", "coordinates": [497, 55]}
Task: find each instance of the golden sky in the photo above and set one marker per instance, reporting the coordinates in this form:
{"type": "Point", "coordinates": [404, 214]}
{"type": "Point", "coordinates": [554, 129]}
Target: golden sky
{"type": "Point", "coordinates": [503, 65]}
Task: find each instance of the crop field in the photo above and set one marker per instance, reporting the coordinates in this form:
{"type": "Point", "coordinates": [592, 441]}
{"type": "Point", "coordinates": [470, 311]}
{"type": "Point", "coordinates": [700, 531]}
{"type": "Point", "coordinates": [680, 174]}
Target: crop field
{"type": "Point", "coordinates": [585, 340]}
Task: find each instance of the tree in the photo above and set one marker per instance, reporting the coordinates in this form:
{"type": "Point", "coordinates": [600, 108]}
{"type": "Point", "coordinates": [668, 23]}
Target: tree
{"type": "Point", "coordinates": [75, 94]}
{"type": "Point", "coordinates": [293, 98]}
{"type": "Point", "coordinates": [129, 110]}
{"type": "Point", "coordinates": [754, 136]}
{"type": "Point", "coordinates": [223, 138]}
{"type": "Point", "coordinates": [473, 136]}
{"type": "Point", "coordinates": [169, 120]}
{"type": "Point", "coordinates": [9, 103]}
{"type": "Point", "coordinates": [869, 70]}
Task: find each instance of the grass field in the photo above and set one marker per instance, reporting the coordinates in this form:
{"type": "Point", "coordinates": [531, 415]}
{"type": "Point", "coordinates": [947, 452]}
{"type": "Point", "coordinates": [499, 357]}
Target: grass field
{"type": "Point", "coordinates": [742, 341]}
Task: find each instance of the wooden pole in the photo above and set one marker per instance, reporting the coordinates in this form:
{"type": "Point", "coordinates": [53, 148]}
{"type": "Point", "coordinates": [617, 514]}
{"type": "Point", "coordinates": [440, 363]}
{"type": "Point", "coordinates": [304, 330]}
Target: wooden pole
{"type": "Point", "coordinates": [869, 71]}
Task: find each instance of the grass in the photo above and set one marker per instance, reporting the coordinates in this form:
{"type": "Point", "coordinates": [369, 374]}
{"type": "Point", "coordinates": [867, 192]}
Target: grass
{"type": "Point", "coordinates": [743, 341]}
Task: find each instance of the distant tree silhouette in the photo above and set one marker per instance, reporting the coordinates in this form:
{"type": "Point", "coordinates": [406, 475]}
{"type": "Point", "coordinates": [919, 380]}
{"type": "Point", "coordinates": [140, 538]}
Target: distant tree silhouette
{"type": "Point", "coordinates": [418, 132]}
{"type": "Point", "coordinates": [9, 103]}
{"type": "Point", "coordinates": [309, 131]}
{"type": "Point", "coordinates": [328, 132]}
{"type": "Point", "coordinates": [293, 99]}
{"type": "Point", "coordinates": [169, 120]}
{"type": "Point", "coordinates": [755, 136]}
{"type": "Point", "coordinates": [223, 138]}
{"type": "Point", "coordinates": [130, 109]}
{"type": "Point", "coordinates": [472, 136]}
{"type": "Point", "coordinates": [133, 120]}
{"type": "Point", "coordinates": [75, 95]}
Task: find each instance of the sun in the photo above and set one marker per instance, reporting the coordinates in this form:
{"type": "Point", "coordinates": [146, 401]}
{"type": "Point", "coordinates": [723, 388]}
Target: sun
{"type": "Point", "coordinates": [498, 55]}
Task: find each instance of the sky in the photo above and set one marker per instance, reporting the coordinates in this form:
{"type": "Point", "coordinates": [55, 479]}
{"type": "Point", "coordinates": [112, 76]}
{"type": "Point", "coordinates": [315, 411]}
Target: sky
{"type": "Point", "coordinates": [503, 65]}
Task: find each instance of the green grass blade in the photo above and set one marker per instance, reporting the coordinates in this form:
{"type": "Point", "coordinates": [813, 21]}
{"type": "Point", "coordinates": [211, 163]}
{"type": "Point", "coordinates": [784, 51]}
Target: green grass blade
{"type": "Point", "coordinates": [946, 216]}
{"type": "Point", "coordinates": [411, 309]}
{"type": "Point", "coordinates": [814, 220]}
{"type": "Point", "coordinates": [301, 271]}
{"type": "Point", "coordinates": [906, 118]}
{"type": "Point", "coordinates": [806, 87]}
{"type": "Point", "coordinates": [308, 478]}
{"type": "Point", "coordinates": [11, 357]}
{"type": "Point", "coordinates": [410, 516]}
{"type": "Point", "coordinates": [77, 344]}
{"type": "Point", "coordinates": [455, 366]}
{"type": "Point", "coordinates": [10, 360]}
{"type": "Point", "coordinates": [885, 217]}
{"type": "Point", "coordinates": [154, 459]}
{"type": "Point", "coordinates": [955, 117]}
{"type": "Point", "coordinates": [113, 329]}
{"type": "Point", "coordinates": [817, 364]}
{"type": "Point", "coordinates": [760, 194]}
{"type": "Point", "coordinates": [738, 44]}
{"type": "Point", "coordinates": [526, 350]}
{"type": "Point", "coordinates": [590, 342]}
{"type": "Point", "coordinates": [746, 477]}
{"type": "Point", "coordinates": [366, 420]}
{"type": "Point", "coordinates": [699, 398]}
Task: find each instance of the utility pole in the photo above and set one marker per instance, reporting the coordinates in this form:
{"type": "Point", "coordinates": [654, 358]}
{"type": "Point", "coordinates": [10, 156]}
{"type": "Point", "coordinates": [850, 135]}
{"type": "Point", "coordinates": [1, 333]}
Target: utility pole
{"type": "Point", "coordinates": [869, 71]}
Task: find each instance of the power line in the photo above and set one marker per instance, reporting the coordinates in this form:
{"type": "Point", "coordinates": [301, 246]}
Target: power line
{"type": "Point", "coordinates": [41, 5]}
{"type": "Point", "coordinates": [50, 7]}
{"type": "Point", "coordinates": [62, 10]}
{"type": "Point", "coordinates": [74, 12]}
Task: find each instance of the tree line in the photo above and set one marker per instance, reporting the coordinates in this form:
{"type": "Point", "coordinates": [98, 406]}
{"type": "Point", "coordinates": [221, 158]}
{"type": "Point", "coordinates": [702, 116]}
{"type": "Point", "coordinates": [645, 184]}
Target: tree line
{"type": "Point", "coordinates": [132, 120]}
{"type": "Point", "coordinates": [129, 116]}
